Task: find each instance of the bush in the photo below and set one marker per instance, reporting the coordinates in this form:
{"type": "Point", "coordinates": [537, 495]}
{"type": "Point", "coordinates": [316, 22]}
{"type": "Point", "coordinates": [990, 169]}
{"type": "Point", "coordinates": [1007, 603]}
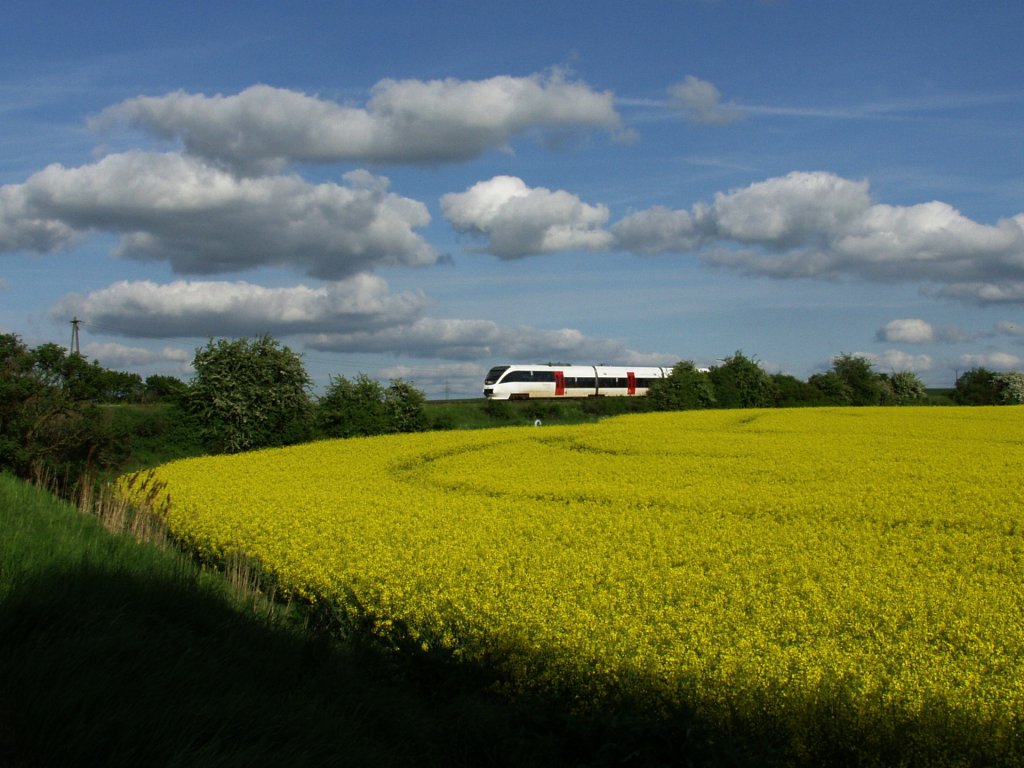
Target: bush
{"type": "Point", "coordinates": [789, 391]}
{"type": "Point", "coordinates": [903, 388]}
{"type": "Point", "coordinates": [740, 382]}
{"type": "Point", "coordinates": [363, 407]}
{"type": "Point", "coordinates": [405, 407]}
{"type": "Point", "coordinates": [977, 386]}
{"type": "Point", "coordinates": [862, 383]}
{"type": "Point", "coordinates": [45, 431]}
{"type": "Point", "coordinates": [1011, 387]}
{"type": "Point", "coordinates": [352, 408]}
{"type": "Point", "coordinates": [686, 388]}
{"type": "Point", "coordinates": [832, 389]}
{"type": "Point", "coordinates": [165, 389]}
{"type": "Point", "coordinates": [250, 393]}
{"type": "Point", "coordinates": [84, 381]}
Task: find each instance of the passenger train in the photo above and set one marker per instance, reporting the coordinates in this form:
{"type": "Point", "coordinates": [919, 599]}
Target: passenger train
{"type": "Point", "coordinates": [525, 382]}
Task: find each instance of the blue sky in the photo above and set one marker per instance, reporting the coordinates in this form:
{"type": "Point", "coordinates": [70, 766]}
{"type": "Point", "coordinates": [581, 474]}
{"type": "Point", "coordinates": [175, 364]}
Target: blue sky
{"type": "Point", "coordinates": [427, 189]}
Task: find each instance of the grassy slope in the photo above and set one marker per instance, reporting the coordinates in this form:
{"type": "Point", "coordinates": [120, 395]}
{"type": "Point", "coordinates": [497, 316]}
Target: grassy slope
{"type": "Point", "coordinates": [117, 653]}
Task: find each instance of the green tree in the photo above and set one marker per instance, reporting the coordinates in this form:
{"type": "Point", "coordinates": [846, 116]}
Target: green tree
{"type": "Point", "coordinates": [863, 384]}
{"type": "Point", "coordinates": [352, 408]}
{"type": "Point", "coordinates": [45, 433]}
{"type": "Point", "coordinates": [83, 380]}
{"type": "Point", "coordinates": [832, 389]}
{"type": "Point", "coordinates": [249, 393]}
{"type": "Point", "coordinates": [405, 407]}
{"type": "Point", "coordinates": [165, 388]}
{"type": "Point", "coordinates": [50, 362]}
{"type": "Point", "coordinates": [790, 392]}
{"type": "Point", "coordinates": [121, 387]}
{"type": "Point", "coordinates": [363, 407]}
{"type": "Point", "coordinates": [903, 388]}
{"type": "Point", "coordinates": [740, 382]}
{"type": "Point", "coordinates": [1011, 387]}
{"type": "Point", "coordinates": [977, 386]}
{"type": "Point", "coordinates": [685, 388]}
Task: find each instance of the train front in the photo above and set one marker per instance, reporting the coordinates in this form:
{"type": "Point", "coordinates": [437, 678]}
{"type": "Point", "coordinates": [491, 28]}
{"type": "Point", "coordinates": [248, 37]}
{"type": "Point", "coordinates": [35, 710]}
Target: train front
{"type": "Point", "coordinates": [491, 380]}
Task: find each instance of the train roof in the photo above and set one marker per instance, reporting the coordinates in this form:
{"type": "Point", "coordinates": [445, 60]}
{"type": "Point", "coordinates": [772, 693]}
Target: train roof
{"type": "Point", "coordinates": [589, 366]}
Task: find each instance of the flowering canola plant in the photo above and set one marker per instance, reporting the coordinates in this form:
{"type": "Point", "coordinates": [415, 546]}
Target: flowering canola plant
{"type": "Point", "coordinates": [835, 573]}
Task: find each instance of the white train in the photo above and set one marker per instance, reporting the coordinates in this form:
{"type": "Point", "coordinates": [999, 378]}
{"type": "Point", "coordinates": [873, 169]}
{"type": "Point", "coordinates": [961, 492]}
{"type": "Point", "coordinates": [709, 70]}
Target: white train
{"type": "Point", "coordinates": [525, 382]}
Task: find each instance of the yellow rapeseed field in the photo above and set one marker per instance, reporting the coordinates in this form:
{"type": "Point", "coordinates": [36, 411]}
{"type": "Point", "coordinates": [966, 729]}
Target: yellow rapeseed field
{"type": "Point", "coordinates": [833, 573]}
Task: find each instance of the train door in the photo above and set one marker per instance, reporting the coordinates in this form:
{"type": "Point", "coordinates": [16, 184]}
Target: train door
{"type": "Point", "coordinates": [559, 383]}
{"type": "Point", "coordinates": [630, 383]}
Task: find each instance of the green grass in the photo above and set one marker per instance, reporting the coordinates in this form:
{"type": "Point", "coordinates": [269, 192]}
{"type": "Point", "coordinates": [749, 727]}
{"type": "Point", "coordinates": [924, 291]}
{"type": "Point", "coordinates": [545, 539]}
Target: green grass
{"type": "Point", "coordinates": [481, 413]}
{"type": "Point", "coordinates": [118, 653]}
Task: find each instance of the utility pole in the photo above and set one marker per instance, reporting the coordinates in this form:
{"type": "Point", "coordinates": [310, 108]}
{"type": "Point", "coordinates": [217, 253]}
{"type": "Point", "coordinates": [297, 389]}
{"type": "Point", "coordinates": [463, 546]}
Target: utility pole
{"type": "Point", "coordinates": [74, 338]}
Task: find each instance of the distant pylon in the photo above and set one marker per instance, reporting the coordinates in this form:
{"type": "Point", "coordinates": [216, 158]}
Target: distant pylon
{"type": "Point", "coordinates": [74, 337]}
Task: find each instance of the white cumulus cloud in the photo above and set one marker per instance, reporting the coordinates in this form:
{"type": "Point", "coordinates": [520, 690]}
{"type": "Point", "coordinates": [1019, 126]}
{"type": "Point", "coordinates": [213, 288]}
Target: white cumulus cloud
{"type": "Point", "coordinates": [23, 227]}
{"type": "Point", "coordinates": [214, 308]}
{"type": "Point", "coordinates": [897, 360]}
{"type": "Point", "coordinates": [405, 121]}
{"type": "Point", "coordinates": [908, 330]}
{"type": "Point", "coordinates": [204, 220]}
{"type": "Point", "coordinates": [658, 230]}
{"type": "Point", "coordinates": [983, 293]}
{"type": "Point", "coordinates": [817, 224]}
{"type": "Point", "coordinates": [517, 220]}
{"type": "Point", "coordinates": [702, 102]}
{"type": "Point", "coordinates": [917, 331]}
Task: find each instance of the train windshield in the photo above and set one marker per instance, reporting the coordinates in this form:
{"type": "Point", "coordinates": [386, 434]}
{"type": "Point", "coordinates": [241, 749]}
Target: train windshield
{"type": "Point", "coordinates": [495, 373]}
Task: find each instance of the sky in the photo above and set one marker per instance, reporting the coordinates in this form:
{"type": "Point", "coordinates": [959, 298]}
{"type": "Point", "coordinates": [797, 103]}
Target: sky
{"type": "Point", "coordinates": [424, 190]}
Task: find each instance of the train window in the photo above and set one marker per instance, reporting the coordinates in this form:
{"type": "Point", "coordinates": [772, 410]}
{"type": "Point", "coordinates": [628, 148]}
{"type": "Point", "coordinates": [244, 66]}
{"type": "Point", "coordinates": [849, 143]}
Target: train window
{"type": "Point", "coordinates": [581, 382]}
{"type": "Point", "coordinates": [513, 376]}
{"type": "Point", "coordinates": [544, 376]}
{"type": "Point", "coordinates": [495, 373]}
